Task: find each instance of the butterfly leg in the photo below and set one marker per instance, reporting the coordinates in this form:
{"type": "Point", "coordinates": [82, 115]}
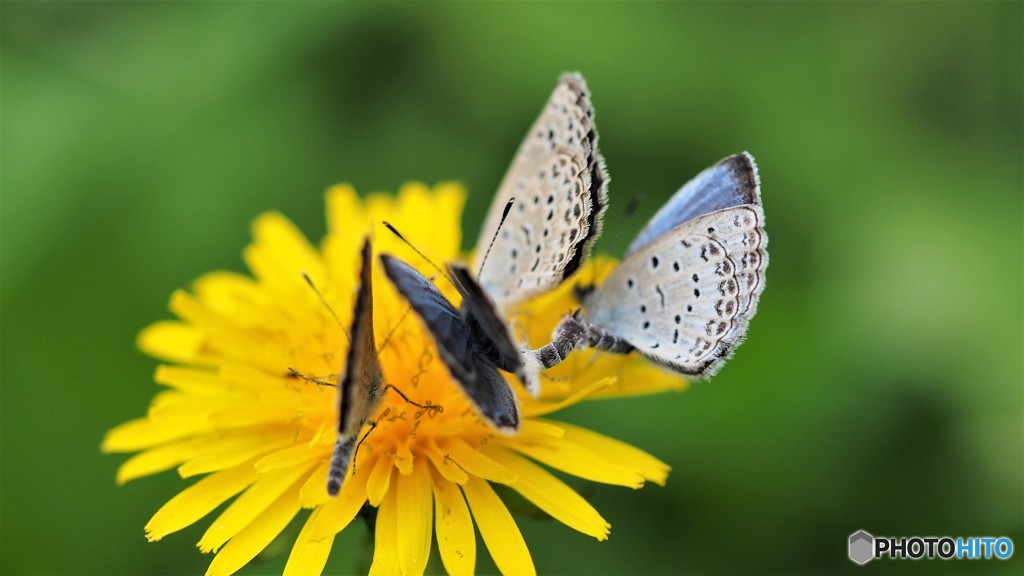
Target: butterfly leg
{"type": "Point", "coordinates": [428, 407]}
{"type": "Point", "coordinates": [298, 374]}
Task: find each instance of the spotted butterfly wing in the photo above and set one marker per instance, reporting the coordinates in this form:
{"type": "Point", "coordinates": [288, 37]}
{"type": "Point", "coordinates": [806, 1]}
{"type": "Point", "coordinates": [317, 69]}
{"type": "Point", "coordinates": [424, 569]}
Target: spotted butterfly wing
{"type": "Point", "coordinates": [360, 387]}
{"type": "Point", "coordinates": [731, 187]}
{"type": "Point", "coordinates": [559, 182]}
{"type": "Point", "coordinates": [690, 282]}
{"type": "Point", "coordinates": [466, 348]}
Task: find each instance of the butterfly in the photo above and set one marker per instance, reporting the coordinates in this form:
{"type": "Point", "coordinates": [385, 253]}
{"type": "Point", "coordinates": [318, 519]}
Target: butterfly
{"type": "Point", "coordinates": [559, 183]}
{"type": "Point", "coordinates": [473, 341]}
{"type": "Point", "coordinates": [360, 389]}
{"type": "Point", "coordinates": [689, 283]}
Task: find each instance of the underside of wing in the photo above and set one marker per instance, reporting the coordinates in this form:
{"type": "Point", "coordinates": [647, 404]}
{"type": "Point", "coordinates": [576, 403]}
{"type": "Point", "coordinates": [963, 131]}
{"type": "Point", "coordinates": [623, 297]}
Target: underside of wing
{"type": "Point", "coordinates": [677, 301]}
{"type": "Point", "coordinates": [359, 392]}
{"type": "Point", "coordinates": [450, 332]}
{"type": "Point", "coordinates": [731, 182]}
{"type": "Point", "coordinates": [559, 182]}
{"type": "Point", "coordinates": [741, 230]}
{"type": "Point", "coordinates": [479, 306]}
{"type": "Point", "coordinates": [490, 393]}
{"type": "Point", "coordinates": [494, 398]}
{"type": "Point", "coordinates": [361, 381]}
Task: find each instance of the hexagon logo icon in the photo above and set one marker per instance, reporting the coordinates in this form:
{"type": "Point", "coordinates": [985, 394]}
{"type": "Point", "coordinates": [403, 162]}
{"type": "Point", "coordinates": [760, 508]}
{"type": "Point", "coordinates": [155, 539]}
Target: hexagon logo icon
{"type": "Point", "coordinates": [862, 547]}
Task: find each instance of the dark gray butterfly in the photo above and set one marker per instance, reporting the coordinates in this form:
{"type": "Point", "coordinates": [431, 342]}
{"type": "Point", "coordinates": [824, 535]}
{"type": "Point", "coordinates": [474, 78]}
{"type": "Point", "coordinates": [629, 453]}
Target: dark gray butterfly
{"type": "Point", "coordinates": [473, 341]}
{"type": "Point", "coordinates": [360, 389]}
{"type": "Point", "coordinates": [688, 285]}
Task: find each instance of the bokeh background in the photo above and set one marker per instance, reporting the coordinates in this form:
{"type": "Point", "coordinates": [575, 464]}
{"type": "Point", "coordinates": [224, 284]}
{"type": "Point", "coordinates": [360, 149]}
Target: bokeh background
{"type": "Point", "coordinates": [881, 386]}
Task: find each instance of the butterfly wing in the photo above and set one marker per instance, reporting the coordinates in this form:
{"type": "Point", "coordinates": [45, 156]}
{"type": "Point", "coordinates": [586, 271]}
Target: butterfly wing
{"type": "Point", "coordinates": [359, 391]}
{"type": "Point", "coordinates": [451, 333]}
{"type": "Point", "coordinates": [559, 183]}
{"type": "Point", "coordinates": [699, 266]}
{"type": "Point", "coordinates": [494, 398]}
{"type": "Point", "coordinates": [488, 391]}
{"type": "Point", "coordinates": [478, 306]}
{"type": "Point", "coordinates": [731, 182]}
{"type": "Point", "coordinates": [677, 300]}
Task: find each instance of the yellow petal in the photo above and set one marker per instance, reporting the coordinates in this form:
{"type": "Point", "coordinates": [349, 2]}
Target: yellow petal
{"type": "Point", "coordinates": [144, 433]}
{"type": "Point", "coordinates": [296, 455]}
{"type": "Point", "coordinates": [347, 224]}
{"type": "Point", "coordinates": [445, 466]}
{"type": "Point", "coordinates": [193, 381]}
{"type": "Point", "coordinates": [621, 453]}
{"type": "Point", "coordinates": [636, 376]}
{"type": "Point", "coordinates": [345, 215]}
{"type": "Point", "coordinates": [256, 413]}
{"type": "Point", "coordinates": [578, 461]}
{"type": "Point", "coordinates": [252, 503]}
{"type": "Point", "coordinates": [440, 235]}
{"type": "Point", "coordinates": [415, 522]}
{"type": "Point", "coordinates": [239, 297]}
{"type": "Point", "coordinates": [385, 546]}
{"type": "Point", "coordinates": [314, 490]}
{"type": "Point", "coordinates": [498, 529]}
{"type": "Point", "coordinates": [456, 539]}
{"type": "Point", "coordinates": [476, 463]}
{"type": "Point", "coordinates": [159, 459]}
{"type": "Point", "coordinates": [248, 378]}
{"type": "Point", "coordinates": [200, 499]}
{"type": "Point", "coordinates": [535, 429]}
{"type": "Point", "coordinates": [233, 451]}
{"type": "Point", "coordinates": [278, 257]}
{"type": "Point", "coordinates": [313, 546]}
{"type": "Point", "coordinates": [308, 555]}
{"type": "Point", "coordinates": [340, 510]}
{"type": "Point", "coordinates": [257, 535]}
{"type": "Point", "coordinates": [170, 408]}
{"type": "Point", "coordinates": [552, 495]}
{"type": "Point", "coordinates": [172, 341]}
{"type": "Point", "coordinates": [379, 479]}
{"type": "Point", "coordinates": [533, 407]}
{"type": "Point", "coordinates": [403, 458]}
{"type": "Point", "coordinates": [191, 310]}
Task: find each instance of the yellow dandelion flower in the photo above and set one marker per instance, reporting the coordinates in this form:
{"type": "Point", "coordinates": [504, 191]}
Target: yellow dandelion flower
{"type": "Point", "coordinates": [257, 435]}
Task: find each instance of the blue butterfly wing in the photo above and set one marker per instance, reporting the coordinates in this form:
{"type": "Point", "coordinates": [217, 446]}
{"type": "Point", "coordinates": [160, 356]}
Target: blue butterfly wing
{"type": "Point", "coordinates": [731, 182]}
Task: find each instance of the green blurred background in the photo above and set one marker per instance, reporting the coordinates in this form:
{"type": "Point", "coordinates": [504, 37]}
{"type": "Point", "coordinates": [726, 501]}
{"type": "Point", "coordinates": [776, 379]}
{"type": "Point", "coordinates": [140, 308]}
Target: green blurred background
{"type": "Point", "coordinates": [881, 386]}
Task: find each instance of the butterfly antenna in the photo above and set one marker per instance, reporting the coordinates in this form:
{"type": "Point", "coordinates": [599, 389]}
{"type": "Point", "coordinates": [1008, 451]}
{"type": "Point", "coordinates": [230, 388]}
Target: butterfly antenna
{"type": "Point", "coordinates": [415, 249]}
{"type": "Point", "coordinates": [582, 290]}
{"type": "Point", "coordinates": [627, 214]}
{"type": "Point", "coordinates": [394, 329]}
{"type": "Point", "coordinates": [326, 305]}
{"type": "Point", "coordinates": [504, 214]}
